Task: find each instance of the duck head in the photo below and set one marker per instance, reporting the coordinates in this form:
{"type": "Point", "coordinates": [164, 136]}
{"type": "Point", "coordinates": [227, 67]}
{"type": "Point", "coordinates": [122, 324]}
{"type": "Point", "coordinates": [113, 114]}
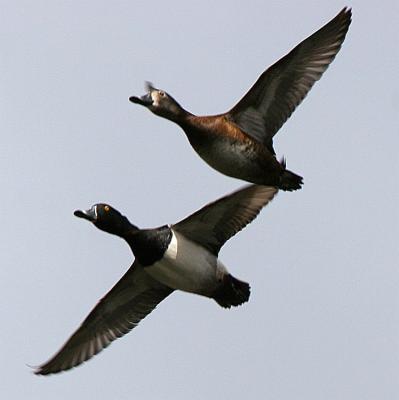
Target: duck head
{"type": "Point", "coordinates": [160, 103]}
{"type": "Point", "coordinates": [106, 218]}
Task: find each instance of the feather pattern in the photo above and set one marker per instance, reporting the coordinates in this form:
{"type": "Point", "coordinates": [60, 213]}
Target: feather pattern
{"type": "Point", "coordinates": [217, 222]}
{"type": "Point", "coordinates": [283, 86]}
{"type": "Point", "coordinates": [119, 311]}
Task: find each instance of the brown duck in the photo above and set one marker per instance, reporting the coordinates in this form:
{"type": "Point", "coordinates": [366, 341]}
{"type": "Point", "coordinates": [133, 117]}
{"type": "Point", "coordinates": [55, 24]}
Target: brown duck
{"type": "Point", "coordinates": [239, 143]}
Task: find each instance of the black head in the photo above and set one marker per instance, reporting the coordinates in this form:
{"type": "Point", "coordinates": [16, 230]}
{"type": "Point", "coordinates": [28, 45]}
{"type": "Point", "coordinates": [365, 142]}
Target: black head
{"type": "Point", "coordinates": [160, 103]}
{"type": "Point", "coordinates": [107, 219]}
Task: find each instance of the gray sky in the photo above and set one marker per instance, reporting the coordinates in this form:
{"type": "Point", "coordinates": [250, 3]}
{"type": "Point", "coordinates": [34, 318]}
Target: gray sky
{"type": "Point", "coordinates": [323, 318]}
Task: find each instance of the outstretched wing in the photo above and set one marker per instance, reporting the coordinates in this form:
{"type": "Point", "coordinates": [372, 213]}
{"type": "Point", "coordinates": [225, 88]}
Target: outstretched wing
{"type": "Point", "coordinates": [214, 224]}
{"type": "Point", "coordinates": [120, 310]}
{"type": "Point", "coordinates": [282, 87]}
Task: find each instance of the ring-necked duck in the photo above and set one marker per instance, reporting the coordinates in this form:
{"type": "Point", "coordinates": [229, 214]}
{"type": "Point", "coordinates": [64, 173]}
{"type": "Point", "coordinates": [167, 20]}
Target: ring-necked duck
{"type": "Point", "coordinates": [183, 256]}
{"type": "Point", "coordinates": [239, 143]}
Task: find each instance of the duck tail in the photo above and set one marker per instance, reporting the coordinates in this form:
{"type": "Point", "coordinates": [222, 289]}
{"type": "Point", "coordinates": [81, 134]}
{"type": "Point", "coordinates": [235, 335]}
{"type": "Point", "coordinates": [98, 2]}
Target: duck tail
{"type": "Point", "coordinates": [233, 292]}
{"type": "Point", "coordinates": [288, 180]}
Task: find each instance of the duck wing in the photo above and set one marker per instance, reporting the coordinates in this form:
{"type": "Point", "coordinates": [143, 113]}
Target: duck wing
{"type": "Point", "coordinates": [282, 87]}
{"type": "Point", "coordinates": [217, 222]}
{"type": "Point", "coordinates": [134, 296]}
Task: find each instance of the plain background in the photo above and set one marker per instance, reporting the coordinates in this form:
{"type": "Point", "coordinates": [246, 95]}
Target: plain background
{"type": "Point", "coordinates": [323, 318]}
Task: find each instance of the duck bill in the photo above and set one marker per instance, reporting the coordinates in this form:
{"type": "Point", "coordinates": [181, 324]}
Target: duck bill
{"type": "Point", "coordinates": [145, 100]}
{"type": "Point", "coordinates": [90, 215]}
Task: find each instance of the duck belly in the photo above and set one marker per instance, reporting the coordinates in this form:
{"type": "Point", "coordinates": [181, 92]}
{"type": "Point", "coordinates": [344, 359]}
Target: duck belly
{"type": "Point", "coordinates": [240, 160]}
{"type": "Point", "coordinates": [188, 266]}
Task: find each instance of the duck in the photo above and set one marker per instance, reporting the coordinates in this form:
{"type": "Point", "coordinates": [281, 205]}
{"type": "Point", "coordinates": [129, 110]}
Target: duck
{"type": "Point", "coordinates": [239, 143]}
{"type": "Point", "coordinates": [182, 256]}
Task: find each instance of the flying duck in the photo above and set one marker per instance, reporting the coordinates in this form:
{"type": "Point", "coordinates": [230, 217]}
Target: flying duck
{"type": "Point", "coordinates": [183, 256]}
{"type": "Point", "coordinates": [239, 143]}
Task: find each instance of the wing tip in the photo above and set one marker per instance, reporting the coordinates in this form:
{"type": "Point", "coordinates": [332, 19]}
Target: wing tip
{"type": "Point", "coordinates": [345, 15]}
{"type": "Point", "coordinates": [51, 367]}
{"type": "Point", "coordinates": [44, 370]}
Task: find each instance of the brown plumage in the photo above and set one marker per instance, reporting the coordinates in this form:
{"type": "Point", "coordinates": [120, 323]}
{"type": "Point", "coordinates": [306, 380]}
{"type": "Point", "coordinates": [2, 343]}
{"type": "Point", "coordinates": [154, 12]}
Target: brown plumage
{"type": "Point", "coordinates": [239, 143]}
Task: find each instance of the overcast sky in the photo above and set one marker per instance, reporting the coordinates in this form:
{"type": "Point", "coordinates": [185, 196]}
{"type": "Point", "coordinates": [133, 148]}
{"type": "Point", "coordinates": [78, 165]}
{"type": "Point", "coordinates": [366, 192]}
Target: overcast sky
{"type": "Point", "coordinates": [323, 318]}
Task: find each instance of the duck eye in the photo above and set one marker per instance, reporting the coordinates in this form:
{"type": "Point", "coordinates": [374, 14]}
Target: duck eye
{"type": "Point", "coordinates": [161, 93]}
{"type": "Point", "coordinates": [106, 208]}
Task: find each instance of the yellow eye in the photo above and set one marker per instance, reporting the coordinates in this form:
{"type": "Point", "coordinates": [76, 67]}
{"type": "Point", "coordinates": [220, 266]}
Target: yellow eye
{"type": "Point", "coordinates": [106, 208]}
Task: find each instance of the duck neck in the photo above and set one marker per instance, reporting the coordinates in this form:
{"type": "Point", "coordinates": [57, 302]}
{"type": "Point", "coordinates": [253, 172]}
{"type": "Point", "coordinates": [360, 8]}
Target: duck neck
{"type": "Point", "coordinates": [149, 245]}
{"type": "Point", "coordinates": [195, 128]}
{"type": "Point", "coordinates": [125, 229]}
{"type": "Point", "coordinates": [181, 117]}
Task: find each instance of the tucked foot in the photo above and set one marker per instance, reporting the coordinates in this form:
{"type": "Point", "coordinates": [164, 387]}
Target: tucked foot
{"type": "Point", "coordinates": [233, 292]}
{"type": "Point", "coordinates": [290, 181]}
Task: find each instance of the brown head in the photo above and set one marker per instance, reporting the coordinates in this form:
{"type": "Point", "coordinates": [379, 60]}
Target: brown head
{"type": "Point", "coordinates": [160, 103]}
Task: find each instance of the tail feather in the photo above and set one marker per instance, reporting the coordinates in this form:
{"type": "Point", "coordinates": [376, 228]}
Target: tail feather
{"type": "Point", "coordinates": [288, 180]}
{"type": "Point", "coordinates": [233, 292]}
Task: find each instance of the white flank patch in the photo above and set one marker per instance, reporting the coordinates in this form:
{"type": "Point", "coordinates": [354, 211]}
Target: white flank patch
{"type": "Point", "coordinates": [187, 266]}
{"type": "Point", "coordinates": [171, 252]}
